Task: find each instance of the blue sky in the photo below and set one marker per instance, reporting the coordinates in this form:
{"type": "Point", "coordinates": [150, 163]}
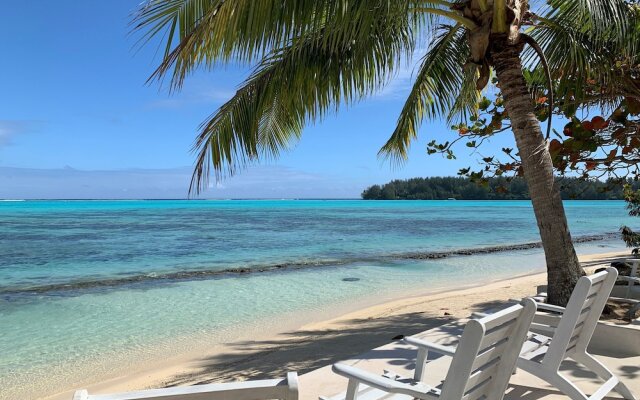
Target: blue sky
{"type": "Point", "coordinates": [78, 121]}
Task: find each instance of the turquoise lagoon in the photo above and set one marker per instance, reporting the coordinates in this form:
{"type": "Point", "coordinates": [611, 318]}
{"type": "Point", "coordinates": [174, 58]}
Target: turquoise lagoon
{"type": "Point", "coordinates": [87, 284]}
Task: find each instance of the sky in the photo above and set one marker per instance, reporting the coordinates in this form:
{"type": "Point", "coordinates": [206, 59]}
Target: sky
{"type": "Point", "coordinates": [78, 120]}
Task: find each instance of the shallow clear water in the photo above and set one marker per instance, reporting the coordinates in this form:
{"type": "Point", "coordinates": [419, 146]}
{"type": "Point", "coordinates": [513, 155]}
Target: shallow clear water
{"type": "Point", "coordinates": [91, 282]}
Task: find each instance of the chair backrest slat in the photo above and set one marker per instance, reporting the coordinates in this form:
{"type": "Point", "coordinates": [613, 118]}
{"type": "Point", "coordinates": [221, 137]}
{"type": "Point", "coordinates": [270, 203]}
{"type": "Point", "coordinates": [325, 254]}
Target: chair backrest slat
{"type": "Point", "coordinates": [478, 391]}
{"type": "Point", "coordinates": [488, 347]}
{"type": "Point", "coordinates": [490, 354]}
{"type": "Point", "coordinates": [475, 395]}
{"type": "Point", "coordinates": [498, 318]}
{"type": "Point", "coordinates": [590, 300]}
{"type": "Point", "coordinates": [595, 288]}
{"type": "Point", "coordinates": [496, 334]}
{"type": "Point", "coordinates": [482, 376]}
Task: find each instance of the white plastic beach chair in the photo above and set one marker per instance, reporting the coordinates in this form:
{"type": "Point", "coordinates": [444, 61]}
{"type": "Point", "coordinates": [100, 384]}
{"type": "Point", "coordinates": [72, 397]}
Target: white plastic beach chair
{"type": "Point", "coordinates": [633, 277]}
{"type": "Point", "coordinates": [281, 389]}
{"type": "Point", "coordinates": [481, 366]}
{"type": "Point", "coordinates": [566, 334]}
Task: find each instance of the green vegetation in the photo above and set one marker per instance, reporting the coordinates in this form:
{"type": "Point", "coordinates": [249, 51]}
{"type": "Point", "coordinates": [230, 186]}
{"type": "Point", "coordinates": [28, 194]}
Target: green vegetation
{"type": "Point", "coordinates": [499, 188]}
{"type": "Point", "coordinates": [629, 236]}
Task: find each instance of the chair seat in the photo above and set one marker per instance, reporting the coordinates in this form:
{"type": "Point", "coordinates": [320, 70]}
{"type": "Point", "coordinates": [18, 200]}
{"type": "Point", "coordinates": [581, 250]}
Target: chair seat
{"type": "Point", "coordinates": [437, 367]}
{"type": "Point", "coordinates": [535, 346]}
{"type": "Point", "coordinates": [369, 393]}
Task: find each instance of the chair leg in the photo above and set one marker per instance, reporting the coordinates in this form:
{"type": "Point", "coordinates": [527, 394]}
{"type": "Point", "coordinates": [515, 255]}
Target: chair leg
{"type": "Point", "coordinates": [566, 387]}
{"type": "Point", "coordinates": [603, 372]}
{"type": "Point", "coordinates": [352, 390]}
{"type": "Point", "coordinates": [421, 361]}
{"type": "Point", "coordinates": [553, 377]}
{"type": "Point", "coordinates": [593, 365]}
{"type": "Point", "coordinates": [624, 391]}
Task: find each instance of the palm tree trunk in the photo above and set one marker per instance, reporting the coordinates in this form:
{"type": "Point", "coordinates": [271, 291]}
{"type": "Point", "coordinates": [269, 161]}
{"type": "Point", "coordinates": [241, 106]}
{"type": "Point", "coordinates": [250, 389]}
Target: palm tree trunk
{"type": "Point", "coordinates": [563, 267]}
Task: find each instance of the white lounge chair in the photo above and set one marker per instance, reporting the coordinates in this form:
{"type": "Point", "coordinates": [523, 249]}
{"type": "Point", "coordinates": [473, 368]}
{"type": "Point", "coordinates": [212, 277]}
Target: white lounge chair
{"type": "Point", "coordinates": [631, 295]}
{"type": "Point", "coordinates": [566, 334]}
{"type": "Point", "coordinates": [633, 279]}
{"type": "Point", "coordinates": [481, 366]}
{"type": "Point", "coordinates": [281, 389]}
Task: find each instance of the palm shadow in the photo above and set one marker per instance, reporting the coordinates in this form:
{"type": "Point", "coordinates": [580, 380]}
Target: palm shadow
{"type": "Point", "coordinates": [307, 350]}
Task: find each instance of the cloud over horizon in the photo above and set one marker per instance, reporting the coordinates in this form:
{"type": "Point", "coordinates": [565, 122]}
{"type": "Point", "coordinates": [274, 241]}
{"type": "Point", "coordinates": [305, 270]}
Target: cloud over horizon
{"type": "Point", "coordinates": [9, 129]}
{"type": "Point", "coordinates": [173, 183]}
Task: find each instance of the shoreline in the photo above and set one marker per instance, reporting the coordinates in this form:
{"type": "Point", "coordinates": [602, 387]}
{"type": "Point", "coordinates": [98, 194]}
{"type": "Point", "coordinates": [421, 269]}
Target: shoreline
{"type": "Point", "coordinates": [303, 342]}
{"type": "Point", "coordinates": [204, 274]}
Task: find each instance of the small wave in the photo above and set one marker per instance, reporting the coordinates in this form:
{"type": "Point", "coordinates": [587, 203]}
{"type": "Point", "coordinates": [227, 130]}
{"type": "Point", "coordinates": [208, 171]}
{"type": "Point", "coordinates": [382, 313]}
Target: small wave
{"type": "Point", "coordinates": [190, 275]}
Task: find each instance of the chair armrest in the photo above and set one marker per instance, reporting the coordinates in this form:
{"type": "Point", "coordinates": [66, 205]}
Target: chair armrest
{"type": "Point", "coordinates": [438, 348]}
{"type": "Point", "coordinates": [379, 382]}
{"type": "Point", "coordinates": [550, 307]}
{"type": "Point", "coordinates": [631, 279]}
{"type": "Point", "coordinates": [266, 389]}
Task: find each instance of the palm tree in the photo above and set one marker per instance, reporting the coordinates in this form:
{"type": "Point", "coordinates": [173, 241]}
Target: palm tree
{"type": "Point", "coordinates": [313, 55]}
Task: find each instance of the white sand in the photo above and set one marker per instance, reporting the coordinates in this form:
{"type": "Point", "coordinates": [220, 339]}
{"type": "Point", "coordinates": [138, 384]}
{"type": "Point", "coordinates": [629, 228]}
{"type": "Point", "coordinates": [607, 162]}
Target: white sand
{"type": "Point", "coordinates": [302, 346]}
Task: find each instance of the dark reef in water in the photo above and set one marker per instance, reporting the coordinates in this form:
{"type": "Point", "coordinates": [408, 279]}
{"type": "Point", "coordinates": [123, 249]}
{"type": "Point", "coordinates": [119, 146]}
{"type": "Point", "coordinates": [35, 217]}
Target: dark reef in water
{"type": "Point", "coordinates": [496, 249]}
{"type": "Point", "coordinates": [146, 280]}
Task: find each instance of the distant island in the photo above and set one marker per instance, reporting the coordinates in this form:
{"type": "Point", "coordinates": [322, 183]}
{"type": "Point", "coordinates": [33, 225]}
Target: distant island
{"type": "Point", "coordinates": [499, 188]}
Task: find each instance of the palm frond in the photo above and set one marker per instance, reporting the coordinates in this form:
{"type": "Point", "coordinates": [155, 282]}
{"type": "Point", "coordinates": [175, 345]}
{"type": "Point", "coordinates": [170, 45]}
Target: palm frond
{"type": "Point", "coordinates": [575, 59]}
{"type": "Point", "coordinates": [466, 103]}
{"type": "Point", "coordinates": [434, 92]}
{"type": "Point", "coordinates": [582, 39]}
{"type": "Point", "coordinates": [600, 19]}
{"type": "Point", "coordinates": [295, 84]}
{"type": "Point", "coordinates": [203, 33]}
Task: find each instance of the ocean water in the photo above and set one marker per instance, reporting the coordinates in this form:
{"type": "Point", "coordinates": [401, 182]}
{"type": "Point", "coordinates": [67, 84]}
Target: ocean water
{"type": "Point", "coordinates": [86, 284]}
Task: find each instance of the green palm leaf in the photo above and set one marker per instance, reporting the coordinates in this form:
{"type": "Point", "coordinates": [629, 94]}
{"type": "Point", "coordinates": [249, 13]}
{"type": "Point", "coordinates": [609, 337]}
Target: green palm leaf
{"type": "Point", "coordinates": [582, 40]}
{"type": "Point", "coordinates": [600, 19]}
{"type": "Point", "coordinates": [296, 84]}
{"type": "Point", "coordinates": [208, 32]}
{"type": "Point", "coordinates": [435, 91]}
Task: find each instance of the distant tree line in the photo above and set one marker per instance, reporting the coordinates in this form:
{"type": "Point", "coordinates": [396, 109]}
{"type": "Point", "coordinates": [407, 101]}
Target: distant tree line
{"type": "Point", "coordinates": [498, 188]}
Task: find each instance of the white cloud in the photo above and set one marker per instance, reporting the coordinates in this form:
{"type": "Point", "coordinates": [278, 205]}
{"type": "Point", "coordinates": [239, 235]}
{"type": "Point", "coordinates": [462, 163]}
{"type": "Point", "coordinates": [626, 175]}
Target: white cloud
{"type": "Point", "coordinates": [169, 103]}
{"type": "Point", "coordinates": [256, 182]}
{"type": "Point", "coordinates": [218, 94]}
{"type": "Point", "coordinates": [215, 96]}
{"type": "Point", "coordinates": [9, 129]}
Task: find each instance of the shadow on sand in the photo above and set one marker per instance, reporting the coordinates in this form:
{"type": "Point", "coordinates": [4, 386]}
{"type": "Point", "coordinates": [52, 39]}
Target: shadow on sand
{"type": "Point", "coordinates": [306, 350]}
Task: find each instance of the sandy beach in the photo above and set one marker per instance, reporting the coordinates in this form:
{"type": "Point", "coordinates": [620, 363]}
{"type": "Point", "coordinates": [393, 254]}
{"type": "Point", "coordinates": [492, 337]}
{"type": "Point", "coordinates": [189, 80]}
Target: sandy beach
{"type": "Point", "coordinates": [308, 344]}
